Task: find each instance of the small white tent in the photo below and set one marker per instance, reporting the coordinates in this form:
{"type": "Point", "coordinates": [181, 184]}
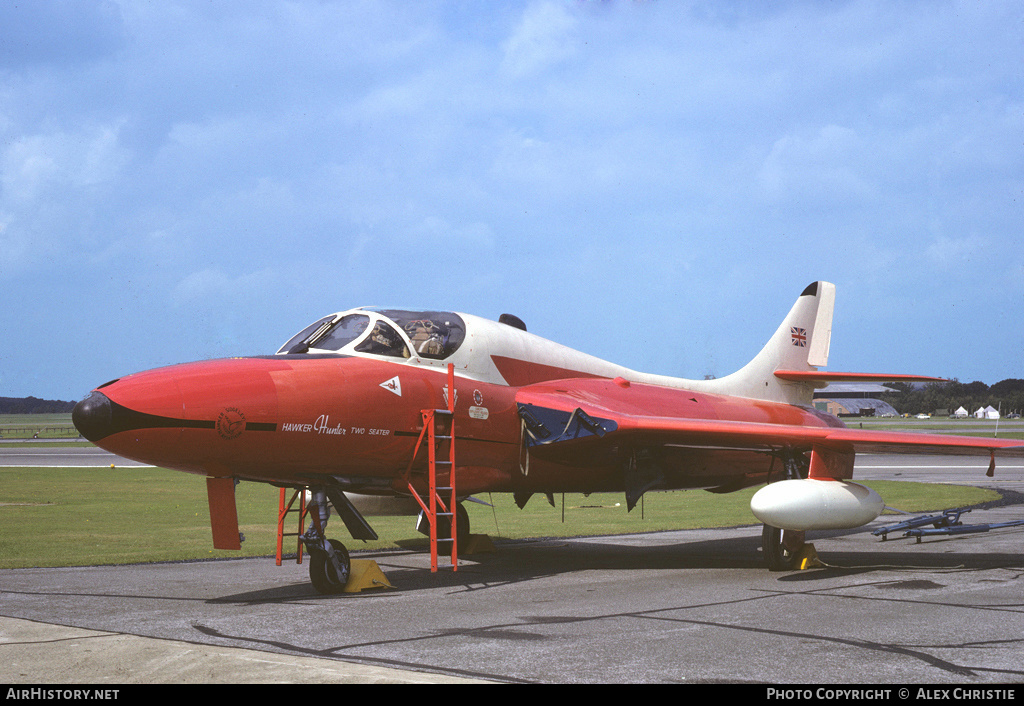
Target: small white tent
{"type": "Point", "coordinates": [961, 413]}
{"type": "Point", "coordinates": [980, 413]}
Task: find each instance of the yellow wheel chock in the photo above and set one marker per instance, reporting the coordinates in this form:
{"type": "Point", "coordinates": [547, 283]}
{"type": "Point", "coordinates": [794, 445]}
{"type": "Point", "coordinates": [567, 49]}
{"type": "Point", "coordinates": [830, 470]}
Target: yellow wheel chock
{"type": "Point", "coordinates": [363, 574]}
{"type": "Point", "coordinates": [478, 544]}
{"type": "Point", "coordinates": [807, 558]}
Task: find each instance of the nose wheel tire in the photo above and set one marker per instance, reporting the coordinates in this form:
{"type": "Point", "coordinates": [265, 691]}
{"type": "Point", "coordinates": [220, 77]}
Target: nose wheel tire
{"type": "Point", "coordinates": [781, 548]}
{"type": "Point", "coordinates": [324, 576]}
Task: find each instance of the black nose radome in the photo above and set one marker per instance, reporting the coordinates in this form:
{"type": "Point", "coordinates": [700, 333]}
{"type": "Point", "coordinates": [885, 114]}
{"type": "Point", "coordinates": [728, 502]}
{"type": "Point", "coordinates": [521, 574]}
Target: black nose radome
{"type": "Point", "coordinates": [93, 417]}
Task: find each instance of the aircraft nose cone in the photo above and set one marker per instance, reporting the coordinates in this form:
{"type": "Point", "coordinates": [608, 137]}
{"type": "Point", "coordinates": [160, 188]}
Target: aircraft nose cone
{"type": "Point", "coordinates": [93, 417]}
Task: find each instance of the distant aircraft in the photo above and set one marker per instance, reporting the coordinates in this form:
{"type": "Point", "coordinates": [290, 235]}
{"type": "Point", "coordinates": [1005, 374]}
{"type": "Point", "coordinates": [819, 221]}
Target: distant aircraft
{"type": "Point", "coordinates": [359, 402]}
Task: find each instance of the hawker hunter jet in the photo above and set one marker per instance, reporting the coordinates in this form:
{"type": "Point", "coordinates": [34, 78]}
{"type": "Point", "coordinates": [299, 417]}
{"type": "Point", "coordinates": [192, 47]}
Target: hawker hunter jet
{"type": "Point", "coordinates": [396, 403]}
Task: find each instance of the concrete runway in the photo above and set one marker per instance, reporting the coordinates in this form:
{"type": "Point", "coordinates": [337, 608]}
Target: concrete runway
{"type": "Point", "coordinates": [59, 455]}
{"type": "Point", "coordinates": [686, 607]}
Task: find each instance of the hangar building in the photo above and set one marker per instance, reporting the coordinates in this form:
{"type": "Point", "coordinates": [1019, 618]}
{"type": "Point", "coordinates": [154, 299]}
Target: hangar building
{"type": "Point", "coordinates": [854, 399]}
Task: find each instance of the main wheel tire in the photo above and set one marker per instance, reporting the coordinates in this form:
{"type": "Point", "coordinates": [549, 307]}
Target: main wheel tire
{"type": "Point", "coordinates": [461, 524]}
{"type": "Point", "coordinates": [777, 554]}
{"type": "Point", "coordinates": [322, 574]}
{"type": "Point", "coordinates": [444, 526]}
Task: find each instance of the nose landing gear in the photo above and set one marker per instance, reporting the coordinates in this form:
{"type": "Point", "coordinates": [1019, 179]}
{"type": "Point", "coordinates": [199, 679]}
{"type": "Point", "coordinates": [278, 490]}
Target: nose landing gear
{"type": "Point", "coordinates": [329, 566]}
{"type": "Point", "coordinates": [329, 563]}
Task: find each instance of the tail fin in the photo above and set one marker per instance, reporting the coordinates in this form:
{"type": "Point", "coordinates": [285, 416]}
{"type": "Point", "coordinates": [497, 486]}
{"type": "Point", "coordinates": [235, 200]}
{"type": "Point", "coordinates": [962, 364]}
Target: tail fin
{"type": "Point", "coordinates": [800, 344]}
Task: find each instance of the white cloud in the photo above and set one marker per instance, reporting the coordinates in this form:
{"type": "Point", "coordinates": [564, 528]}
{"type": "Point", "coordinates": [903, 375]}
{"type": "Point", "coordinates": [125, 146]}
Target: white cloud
{"type": "Point", "coordinates": [28, 165]}
{"type": "Point", "coordinates": [52, 187]}
{"type": "Point", "coordinates": [214, 289]}
{"type": "Point", "coordinates": [14, 244]}
{"type": "Point", "coordinates": [544, 37]}
{"type": "Point", "coordinates": [60, 161]}
{"type": "Point", "coordinates": [269, 155]}
{"type": "Point", "coordinates": [956, 253]}
{"type": "Point", "coordinates": [827, 164]}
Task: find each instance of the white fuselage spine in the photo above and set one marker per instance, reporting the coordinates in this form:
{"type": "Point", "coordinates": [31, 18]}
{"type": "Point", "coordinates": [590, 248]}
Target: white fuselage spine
{"type": "Point", "coordinates": [485, 338]}
{"type": "Point", "coordinates": [800, 343]}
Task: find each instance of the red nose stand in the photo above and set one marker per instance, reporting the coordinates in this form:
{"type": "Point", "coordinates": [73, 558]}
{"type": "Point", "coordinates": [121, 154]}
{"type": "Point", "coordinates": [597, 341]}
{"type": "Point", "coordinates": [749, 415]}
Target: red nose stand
{"type": "Point", "coordinates": [220, 493]}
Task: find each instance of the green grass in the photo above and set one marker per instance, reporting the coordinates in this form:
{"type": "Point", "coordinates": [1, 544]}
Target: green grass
{"type": "Point", "coordinates": [1002, 429]}
{"type": "Point", "coordinates": [81, 517]}
{"type": "Point", "coordinates": [47, 426]}
{"type": "Point", "coordinates": [57, 418]}
{"type": "Point", "coordinates": [683, 509]}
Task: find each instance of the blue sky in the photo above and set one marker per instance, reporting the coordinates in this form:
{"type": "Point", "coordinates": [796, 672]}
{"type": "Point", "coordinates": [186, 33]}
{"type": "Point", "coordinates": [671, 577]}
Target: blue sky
{"type": "Point", "coordinates": [650, 182]}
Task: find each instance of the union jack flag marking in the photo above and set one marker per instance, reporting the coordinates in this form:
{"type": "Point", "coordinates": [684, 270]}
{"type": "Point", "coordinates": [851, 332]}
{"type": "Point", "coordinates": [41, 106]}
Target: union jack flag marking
{"type": "Point", "coordinates": [799, 336]}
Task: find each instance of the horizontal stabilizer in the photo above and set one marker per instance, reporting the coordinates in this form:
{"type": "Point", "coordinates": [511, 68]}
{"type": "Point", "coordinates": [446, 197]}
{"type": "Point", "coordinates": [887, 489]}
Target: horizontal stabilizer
{"type": "Point", "coordinates": [825, 377]}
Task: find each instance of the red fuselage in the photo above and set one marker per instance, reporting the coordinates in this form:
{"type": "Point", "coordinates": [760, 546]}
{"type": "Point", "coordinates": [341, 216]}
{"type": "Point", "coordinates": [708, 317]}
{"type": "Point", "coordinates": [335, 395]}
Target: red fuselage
{"type": "Point", "coordinates": [298, 419]}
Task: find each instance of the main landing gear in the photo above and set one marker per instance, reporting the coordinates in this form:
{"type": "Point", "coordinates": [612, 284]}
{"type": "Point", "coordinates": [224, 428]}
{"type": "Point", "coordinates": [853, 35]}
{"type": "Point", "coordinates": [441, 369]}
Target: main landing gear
{"type": "Point", "coordinates": [782, 549]}
{"type": "Point", "coordinates": [444, 526]}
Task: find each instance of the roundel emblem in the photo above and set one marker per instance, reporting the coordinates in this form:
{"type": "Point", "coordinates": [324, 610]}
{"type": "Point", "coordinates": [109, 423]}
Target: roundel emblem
{"type": "Point", "coordinates": [231, 423]}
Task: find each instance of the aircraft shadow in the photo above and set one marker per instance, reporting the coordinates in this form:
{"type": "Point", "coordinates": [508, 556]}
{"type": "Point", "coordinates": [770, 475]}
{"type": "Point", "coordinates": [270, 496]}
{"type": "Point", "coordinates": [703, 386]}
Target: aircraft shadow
{"type": "Point", "coordinates": [522, 561]}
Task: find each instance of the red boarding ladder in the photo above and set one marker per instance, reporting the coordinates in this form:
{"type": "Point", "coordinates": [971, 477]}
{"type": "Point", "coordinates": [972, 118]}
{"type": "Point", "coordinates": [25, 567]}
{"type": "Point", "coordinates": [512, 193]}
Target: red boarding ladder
{"type": "Point", "coordinates": [283, 509]}
{"type": "Point", "coordinates": [438, 432]}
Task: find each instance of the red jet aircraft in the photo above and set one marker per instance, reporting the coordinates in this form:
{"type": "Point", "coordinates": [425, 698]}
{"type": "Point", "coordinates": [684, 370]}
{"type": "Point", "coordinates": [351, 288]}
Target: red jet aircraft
{"type": "Point", "coordinates": [344, 405]}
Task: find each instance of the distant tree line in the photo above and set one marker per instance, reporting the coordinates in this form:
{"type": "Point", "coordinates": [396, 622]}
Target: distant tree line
{"type": "Point", "coordinates": [1006, 396]}
{"type": "Point", "coordinates": [33, 405]}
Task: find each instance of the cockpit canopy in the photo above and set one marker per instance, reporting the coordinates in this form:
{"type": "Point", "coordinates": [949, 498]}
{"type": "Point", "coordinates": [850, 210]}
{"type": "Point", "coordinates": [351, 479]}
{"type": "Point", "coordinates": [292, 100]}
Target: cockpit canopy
{"type": "Point", "coordinates": [391, 332]}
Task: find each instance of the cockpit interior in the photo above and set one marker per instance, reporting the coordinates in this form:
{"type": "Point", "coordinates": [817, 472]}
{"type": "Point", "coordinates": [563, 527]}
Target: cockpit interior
{"type": "Point", "coordinates": [388, 332]}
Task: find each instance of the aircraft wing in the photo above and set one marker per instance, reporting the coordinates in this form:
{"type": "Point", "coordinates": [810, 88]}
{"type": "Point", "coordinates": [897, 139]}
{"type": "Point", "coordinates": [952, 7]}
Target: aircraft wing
{"type": "Point", "coordinates": [575, 419]}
